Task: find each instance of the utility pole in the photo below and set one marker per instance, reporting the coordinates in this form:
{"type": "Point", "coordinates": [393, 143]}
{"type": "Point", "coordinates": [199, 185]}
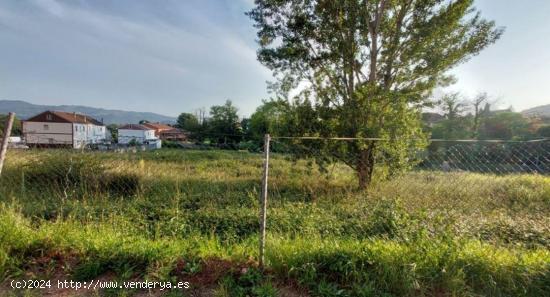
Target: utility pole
{"type": "Point", "coordinates": [263, 200]}
{"type": "Point", "coordinates": [6, 139]}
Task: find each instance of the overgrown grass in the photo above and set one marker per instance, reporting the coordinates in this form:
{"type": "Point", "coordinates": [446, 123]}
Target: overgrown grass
{"type": "Point", "coordinates": [142, 215]}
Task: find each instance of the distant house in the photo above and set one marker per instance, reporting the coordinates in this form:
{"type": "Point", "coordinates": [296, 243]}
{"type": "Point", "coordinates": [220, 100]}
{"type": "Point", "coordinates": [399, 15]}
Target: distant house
{"type": "Point", "coordinates": [166, 132]}
{"type": "Point", "coordinates": [62, 129]}
{"type": "Point", "coordinates": [173, 134]}
{"type": "Point", "coordinates": [138, 134]}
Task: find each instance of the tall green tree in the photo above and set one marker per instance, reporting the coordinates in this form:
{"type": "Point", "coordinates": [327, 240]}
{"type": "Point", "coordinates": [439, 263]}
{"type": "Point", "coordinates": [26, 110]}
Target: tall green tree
{"type": "Point", "coordinates": [224, 125]}
{"type": "Point", "coordinates": [187, 121]}
{"type": "Point", "coordinates": [191, 124]}
{"type": "Point", "coordinates": [268, 118]}
{"type": "Point", "coordinates": [366, 67]}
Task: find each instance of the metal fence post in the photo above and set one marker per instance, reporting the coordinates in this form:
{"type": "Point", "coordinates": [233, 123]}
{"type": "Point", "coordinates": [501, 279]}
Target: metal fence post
{"type": "Point", "coordinates": [263, 200]}
{"type": "Point", "coordinates": [6, 139]}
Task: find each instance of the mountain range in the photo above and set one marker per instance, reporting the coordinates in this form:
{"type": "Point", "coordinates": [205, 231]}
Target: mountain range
{"type": "Point", "coordinates": [25, 110]}
{"type": "Point", "coordinates": [543, 110]}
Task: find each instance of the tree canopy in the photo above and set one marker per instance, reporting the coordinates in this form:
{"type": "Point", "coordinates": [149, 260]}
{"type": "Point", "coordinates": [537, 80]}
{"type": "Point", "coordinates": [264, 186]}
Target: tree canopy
{"type": "Point", "coordinates": [365, 68]}
{"type": "Point", "coordinates": [224, 125]}
{"type": "Point", "coordinates": [187, 122]}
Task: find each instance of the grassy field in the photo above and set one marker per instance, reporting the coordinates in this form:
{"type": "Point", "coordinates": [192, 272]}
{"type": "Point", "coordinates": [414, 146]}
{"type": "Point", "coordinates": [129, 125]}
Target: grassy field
{"type": "Point", "coordinates": [174, 215]}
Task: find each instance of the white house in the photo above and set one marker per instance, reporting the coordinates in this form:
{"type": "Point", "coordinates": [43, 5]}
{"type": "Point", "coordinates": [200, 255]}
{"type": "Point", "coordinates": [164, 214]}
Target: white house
{"type": "Point", "coordinates": [57, 128]}
{"type": "Point", "coordinates": [139, 134]}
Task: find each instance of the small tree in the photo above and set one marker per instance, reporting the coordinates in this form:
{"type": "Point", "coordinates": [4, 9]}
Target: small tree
{"type": "Point", "coordinates": [366, 67]}
{"type": "Point", "coordinates": [223, 125]}
{"type": "Point", "coordinates": [456, 125]}
{"type": "Point", "coordinates": [477, 103]}
{"type": "Point", "coordinates": [452, 105]}
{"type": "Point", "coordinates": [113, 130]}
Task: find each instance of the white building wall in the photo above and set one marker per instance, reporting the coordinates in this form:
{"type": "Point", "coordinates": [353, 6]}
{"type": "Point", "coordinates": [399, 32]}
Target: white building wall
{"type": "Point", "coordinates": [125, 136]}
{"type": "Point", "coordinates": [88, 134]}
{"type": "Point", "coordinates": [79, 136]}
{"type": "Point", "coordinates": [95, 134]}
{"type": "Point", "coordinates": [150, 134]}
{"type": "Point", "coordinates": [48, 133]}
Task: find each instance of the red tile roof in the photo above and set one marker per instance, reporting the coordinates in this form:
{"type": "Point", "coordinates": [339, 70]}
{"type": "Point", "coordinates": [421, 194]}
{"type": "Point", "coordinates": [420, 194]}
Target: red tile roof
{"type": "Point", "coordinates": [134, 127]}
{"type": "Point", "coordinates": [62, 116]}
{"type": "Point", "coordinates": [158, 126]}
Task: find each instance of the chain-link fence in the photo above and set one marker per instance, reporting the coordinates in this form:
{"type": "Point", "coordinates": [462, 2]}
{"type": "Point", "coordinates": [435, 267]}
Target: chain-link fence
{"type": "Point", "coordinates": [173, 191]}
{"type": "Point", "coordinates": [67, 172]}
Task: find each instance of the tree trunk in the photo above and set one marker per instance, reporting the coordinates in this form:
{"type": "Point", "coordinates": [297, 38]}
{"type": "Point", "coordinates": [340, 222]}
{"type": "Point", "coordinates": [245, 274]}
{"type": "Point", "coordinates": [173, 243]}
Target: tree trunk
{"type": "Point", "coordinates": [365, 167]}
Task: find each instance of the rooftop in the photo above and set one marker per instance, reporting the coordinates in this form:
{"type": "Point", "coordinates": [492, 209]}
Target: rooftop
{"type": "Point", "coordinates": [134, 127]}
{"type": "Point", "coordinates": [62, 116]}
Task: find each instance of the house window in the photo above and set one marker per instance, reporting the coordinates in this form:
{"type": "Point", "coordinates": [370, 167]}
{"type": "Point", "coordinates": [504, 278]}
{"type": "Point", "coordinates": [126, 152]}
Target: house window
{"type": "Point", "coordinates": [46, 127]}
{"type": "Point", "coordinates": [49, 117]}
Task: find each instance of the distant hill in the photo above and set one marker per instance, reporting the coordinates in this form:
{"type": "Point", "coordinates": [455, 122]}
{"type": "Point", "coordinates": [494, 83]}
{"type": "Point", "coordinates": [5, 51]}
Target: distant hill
{"type": "Point", "coordinates": [25, 110]}
{"type": "Point", "coordinates": [543, 111]}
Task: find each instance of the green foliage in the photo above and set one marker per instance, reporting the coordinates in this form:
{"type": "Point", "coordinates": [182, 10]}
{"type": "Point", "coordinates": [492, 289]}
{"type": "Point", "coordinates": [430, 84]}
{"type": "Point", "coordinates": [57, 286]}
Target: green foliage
{"type": "Point", "coordinates": [369, 66]}
{"type": "Point", "coordinates": [416, 235]}
{"type": "Point", "coordinates": [223, 125]}
{"type": "Point", "coordinates": [481, 123]}
{"type": "Point", "coordinates": [250, 283]}
{"type": "Point", "coordinates": [457, 128]}
{"type": "Point", "coordinates": [113, 130]}
{"type": "Point", "coordinates": [506, 125]}
{"type": "Point", "coordinates": [544, 131]}
{"type": "Point", "coordinates": [455, 125]}
{"type": "Point", "coordinates": [268, 118]}
{"type": "Point", "coordinates": [382, 268]}
{"type": "Point", "coordinates": [170, 144]}
{"type": "Point", "coordinates": [16, 128]}
{"type": "Point", "coordinates": [188, 122]}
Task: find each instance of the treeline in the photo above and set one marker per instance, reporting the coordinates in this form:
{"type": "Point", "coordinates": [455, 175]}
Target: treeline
{"type": "Point", "coordinates": [456, 118]}
{"type": "Point", "coordinates": [462, 118]}
{"type": "Point", "coordinates": [222, 126]}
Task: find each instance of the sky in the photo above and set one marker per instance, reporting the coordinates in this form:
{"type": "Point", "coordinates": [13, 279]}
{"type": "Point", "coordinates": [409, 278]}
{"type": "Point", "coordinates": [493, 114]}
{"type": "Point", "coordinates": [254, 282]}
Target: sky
{"type": "Point", "coordinates": [172, 56]}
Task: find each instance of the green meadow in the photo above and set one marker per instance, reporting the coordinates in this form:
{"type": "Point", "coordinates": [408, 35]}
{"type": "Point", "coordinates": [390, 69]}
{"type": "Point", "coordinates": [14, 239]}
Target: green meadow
{"type": "Point", "coordinates": [178, 215]}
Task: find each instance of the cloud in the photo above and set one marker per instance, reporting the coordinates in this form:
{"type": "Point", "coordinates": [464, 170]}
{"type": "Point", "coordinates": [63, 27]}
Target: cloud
{"type": "Point", "coordinates": [140, 58]}
{"type": "Point", "coordinates": [51, 6]}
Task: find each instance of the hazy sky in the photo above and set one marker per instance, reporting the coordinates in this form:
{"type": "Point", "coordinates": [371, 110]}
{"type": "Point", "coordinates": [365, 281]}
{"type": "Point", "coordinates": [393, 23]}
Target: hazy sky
{"type": "Point", "coordinates": [171, 56]}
